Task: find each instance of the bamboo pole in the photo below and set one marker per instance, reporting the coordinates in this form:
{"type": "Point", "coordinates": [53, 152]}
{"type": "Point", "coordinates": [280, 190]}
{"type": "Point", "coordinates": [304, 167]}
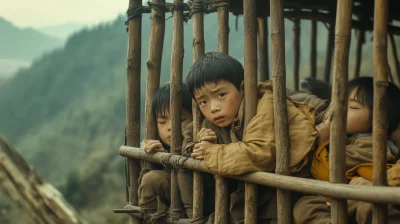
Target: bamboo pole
{"type": "Point", "coordinates": [337, 156]}
{"type": "Point", "coordinates": [329, 51]}
{"type": "Point", "coordinates": [198, 50]}
{"type": "Point", "coordinates": [380, 123]}
{"type": "Point", "coordinates": [386, 194]}
{"type": "Point", "coordinates": [176, 101]}
{"type": "Point", "coordinates": [153, 70]}
{"type": "Point", "coordinates": [133, 100]}
{"type": "Point", "coordinates": [250, 94]}
{"type": "Point", "coordinates": [313, 52]}
{"type": "Point", "coordinates": [296, 45]}
{"type": "Point", "coordinates": [221, 184]}
{"type": "Point", "coordinates": [360, 42]}
{"type": "Point", "coordinates": [263, 58]}
{"type": "Point", "coordinates": [395, 56]}
{"type": "Point", "coordinates": [280, 106]}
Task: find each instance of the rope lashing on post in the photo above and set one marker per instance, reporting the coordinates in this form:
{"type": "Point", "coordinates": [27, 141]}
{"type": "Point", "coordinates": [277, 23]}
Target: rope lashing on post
{"type": "Point", "coordinates": [133, 13]}
{"type": "Point", "coordinates": [159, 7]}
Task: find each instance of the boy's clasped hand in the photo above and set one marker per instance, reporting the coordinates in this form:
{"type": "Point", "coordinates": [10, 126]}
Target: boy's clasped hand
{"type": "Point", "coordinates": [205, 138]}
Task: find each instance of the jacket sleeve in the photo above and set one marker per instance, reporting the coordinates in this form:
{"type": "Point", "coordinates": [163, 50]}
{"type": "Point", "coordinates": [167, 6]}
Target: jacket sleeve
{"type": "Point", "coordinates": [257, 151]}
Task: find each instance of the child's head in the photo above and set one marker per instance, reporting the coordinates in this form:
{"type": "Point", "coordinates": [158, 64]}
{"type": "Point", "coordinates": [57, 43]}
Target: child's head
{"type": "Point", "coordinates": [214, 82]}
{"type": "Point", "coordinates": [360, 106]}
{"type": "Point", "coordinates": [161, 111]}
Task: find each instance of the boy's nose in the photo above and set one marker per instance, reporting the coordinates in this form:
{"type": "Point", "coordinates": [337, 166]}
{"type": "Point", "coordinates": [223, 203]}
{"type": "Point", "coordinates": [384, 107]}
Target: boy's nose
{"type": "Point", "coordinates": [215, 108]}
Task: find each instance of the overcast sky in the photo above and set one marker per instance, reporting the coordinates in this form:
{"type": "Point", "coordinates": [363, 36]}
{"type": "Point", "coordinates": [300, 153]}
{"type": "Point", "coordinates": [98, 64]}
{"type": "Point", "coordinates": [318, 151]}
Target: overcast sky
{"type": "Point", "coordinates": [39, 13]}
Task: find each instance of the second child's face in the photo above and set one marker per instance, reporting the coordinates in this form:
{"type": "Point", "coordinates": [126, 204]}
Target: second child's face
{"type": "Point", "coordinates": [219, 102]}
{"type": "Point", "coordinates": [358, 116]}
{"type": "Point", "coordinates": [164, 125]}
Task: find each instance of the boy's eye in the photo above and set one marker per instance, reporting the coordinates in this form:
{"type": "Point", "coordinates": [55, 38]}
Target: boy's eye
{"type": "Point", "coordinates": [221, 95]}
{"type": "Point", "coordinates": [161, 122]}
{"type": "Point", "coordinates": [202, 102]}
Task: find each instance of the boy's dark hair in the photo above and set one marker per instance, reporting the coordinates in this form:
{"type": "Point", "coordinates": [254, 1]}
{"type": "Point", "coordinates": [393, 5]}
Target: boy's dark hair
{"type": "Point", "coordinates": [214, 67]}
{"type": "Point", "coordinates": [364, 87]}
{"type": "Point", "coordinates": [161, 100]}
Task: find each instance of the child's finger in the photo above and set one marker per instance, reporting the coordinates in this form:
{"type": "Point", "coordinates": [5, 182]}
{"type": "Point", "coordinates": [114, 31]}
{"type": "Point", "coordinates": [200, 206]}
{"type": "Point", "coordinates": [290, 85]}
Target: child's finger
{"type": "Point", "coordinates": [201, 132]}
{"type": "Point", "coordinates": [209, 138]}
{"type": "Point", "coordinates": [154, 146]}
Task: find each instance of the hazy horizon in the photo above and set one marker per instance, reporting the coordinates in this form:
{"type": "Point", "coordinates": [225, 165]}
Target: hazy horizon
{"type": "Point", "coordinates": [47, 13]}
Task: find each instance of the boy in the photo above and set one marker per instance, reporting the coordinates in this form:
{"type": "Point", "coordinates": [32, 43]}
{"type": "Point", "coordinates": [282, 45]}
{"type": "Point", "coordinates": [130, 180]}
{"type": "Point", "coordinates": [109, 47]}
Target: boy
{"type": "Point", "coordinates": [154, 190]}
{"type": "Point", "coordinates": [215, 83]}
{"type": "Point", "coordinates": [359, 155]}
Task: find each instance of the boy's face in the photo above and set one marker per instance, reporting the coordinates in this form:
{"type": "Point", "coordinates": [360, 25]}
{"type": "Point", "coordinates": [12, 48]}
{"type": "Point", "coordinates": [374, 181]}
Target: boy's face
{"type": "Point", "coordinates": [358, 116]}
{"type": "Point", "coordinates": [219, 102]}
{"type": "Point", "coordinates": [164, 125]}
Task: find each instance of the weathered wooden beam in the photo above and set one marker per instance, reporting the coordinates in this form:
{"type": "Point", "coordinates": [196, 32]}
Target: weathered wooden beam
{"type": "Point", "coordinates": [377, 194]}
{"type": "Point", "coordinates": [37, 200]}
{"type": "Point", "coordinates": [360, 37]}
{"type": "Point", "coordinates": [329, 52]}
{"type": "Point", "coordinates": [176, 101]}
{"type": "Point", "coordinates": [380, 123]}
{"type": "Point", "coordinates": [198, 50]}
{"type": "Point", "coordinates": [263, 54]}
{"type": "Point", "coordinates": [296, 55]}
{"type": "Point", "coordinates": [221, 183]}
{"type": "Point", "coordinates": [395, 56]}
{"type": "Point", "coordinates": [133, 68]}
{"type": "Point", "coordinates": [280, 105]}
{"type": "Point", "coordinates": [154, 70]}
{"type": "Point", "coordinates": [313, 51]}
{"type": "Point", "coordinates": [337, 156]}
{"type": "Point", "coordinates": [250, 94]}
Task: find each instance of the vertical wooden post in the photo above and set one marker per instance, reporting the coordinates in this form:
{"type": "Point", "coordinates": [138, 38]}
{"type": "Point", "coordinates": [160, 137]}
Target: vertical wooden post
{"type": "Point", "coordinates": [250, 94]}
{"type": "Point", "coordinates": [380, 124]}
{"type": "Point", "coordinates": [280, 107]}
{"type": "Point", "coordinates": [177, 55]}
{"type": "Point", "coordinates": [198, 50]}
{"type": "Point", "coordinates": [337, 156]}
{"type": "Point", "coordinates": [153, 70]}
{"type": "Point", "coordinates": [360, 42]}
{"type": "Point", "coordinates": [313, 52]}
{"type": "Point", "coordinates": [263, 58]}
{"type": "Point", "coordinates": [133, 100]}
{"type": "Point", "coordinates": [329, 51]}
{"type": "Point", "coordinates": [296, 45]}
{"type": "Point", "coordinates": [395, 57]}
{"type": "Point", "coordinates": [221, 184]}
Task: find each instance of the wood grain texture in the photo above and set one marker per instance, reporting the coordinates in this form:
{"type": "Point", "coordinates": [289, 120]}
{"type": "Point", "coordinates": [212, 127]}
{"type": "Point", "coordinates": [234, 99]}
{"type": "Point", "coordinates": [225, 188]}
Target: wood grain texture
{"type": "Point", "coordinates": [337, 156]}
{"type": "Point", "coordinates": [380, 123]}
{"type": "Point", "coordinates": [280, 105]}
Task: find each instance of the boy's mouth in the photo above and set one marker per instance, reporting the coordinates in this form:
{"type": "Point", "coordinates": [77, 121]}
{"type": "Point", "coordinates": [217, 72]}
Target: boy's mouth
{"type": "Point", "coordinates": [219, 119]}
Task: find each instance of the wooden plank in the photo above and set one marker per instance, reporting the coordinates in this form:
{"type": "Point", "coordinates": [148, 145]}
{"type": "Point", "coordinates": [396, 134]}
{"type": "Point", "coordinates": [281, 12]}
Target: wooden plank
{"type": "Point", "coordinates": [250, 94]}
{"type": "Point", "coordinates": [176, 101]}
{"type": "Point", "coordinates": [280, 105]}
{"type": "Point", "coordinates": [380, 123]}
{"type": "Point", "coordinates": [337, 156]}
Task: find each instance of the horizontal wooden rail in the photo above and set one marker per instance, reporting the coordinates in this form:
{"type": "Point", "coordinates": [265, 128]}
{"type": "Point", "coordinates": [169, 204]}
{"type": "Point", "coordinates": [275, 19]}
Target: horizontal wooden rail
{"type": "Point", "coordinates": [137, 212]}
{"type": "Point", "coordinates": [374, 194]}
